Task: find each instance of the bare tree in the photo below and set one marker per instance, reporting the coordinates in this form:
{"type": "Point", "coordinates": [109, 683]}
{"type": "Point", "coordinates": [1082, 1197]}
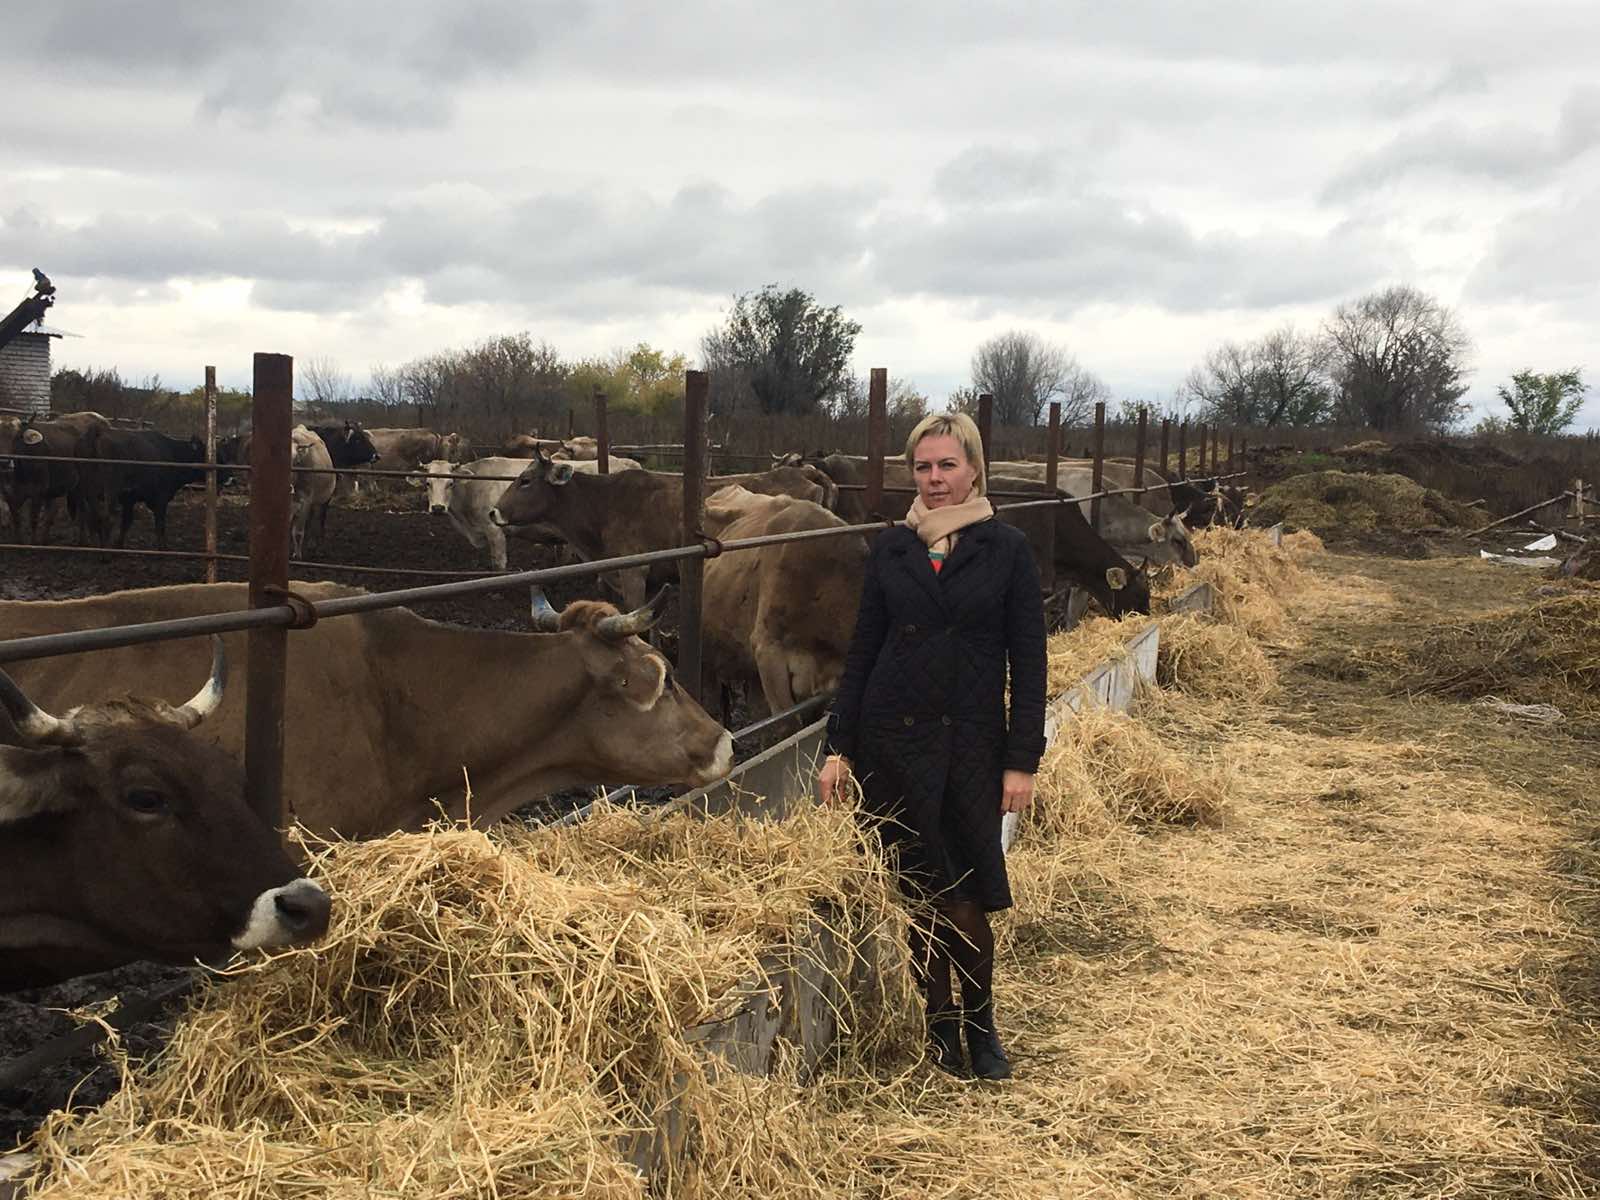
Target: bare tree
{"type": "Point", "coordinates": [322, 382]}
{"type": "Point", "coordinates": [388, 385]}
{"type": "Point", "coordinates": [1280, 379]}
{"type": "Point", "coordinates": [1024, 373]}
{"type": "Point", "coordinates": [1398, 361]}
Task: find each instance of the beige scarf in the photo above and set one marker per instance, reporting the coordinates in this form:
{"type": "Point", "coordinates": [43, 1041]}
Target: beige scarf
{"type": "Point", "coordinates": [937, 527]}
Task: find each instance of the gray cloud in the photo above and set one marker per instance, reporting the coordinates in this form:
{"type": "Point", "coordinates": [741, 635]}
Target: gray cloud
{"type": "Point", "coordinates": [1504, 153]}
{"type": "Point", "coordinates": [1543, 255]}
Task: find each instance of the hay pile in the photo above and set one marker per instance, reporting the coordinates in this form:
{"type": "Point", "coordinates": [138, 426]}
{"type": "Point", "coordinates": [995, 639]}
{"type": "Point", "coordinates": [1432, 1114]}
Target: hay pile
{"type": "Point", "coordinates": [1336, 502]}
{"type": "Point", "coordinates": [1107, 769]}
{"type": "Point", "coordinates": [1547, 652]}
{"type": "Point", "coordinates": [1213, 660]}
{"type": "Point", "coordinates": [491, 1015]}
{"type": "Point", "coordinates": [1092, 641]}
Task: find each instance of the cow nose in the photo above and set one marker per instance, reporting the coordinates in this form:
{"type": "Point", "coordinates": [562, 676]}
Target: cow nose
{"type": "Point", "coordinates": [303, 909]}
{"type": "Point", "coordinates": [436, 508]}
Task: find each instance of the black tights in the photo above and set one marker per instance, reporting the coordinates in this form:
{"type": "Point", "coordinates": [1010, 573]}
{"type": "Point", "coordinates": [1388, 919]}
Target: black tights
{"type": "Point", "coordinates": [953, 933]}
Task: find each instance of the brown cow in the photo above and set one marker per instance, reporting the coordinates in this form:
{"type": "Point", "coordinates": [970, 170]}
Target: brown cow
{"type": "Point", "coordinates": [125, 836]}
{"type": "Point", "coordinates": [529, 445]}
{"type": "Point", "coordinates": [781, 615]}
{"type": "Point", "coordinates": [387, 711]}
{"type": "Point", "coordinates": [313, 489]}
{"type": "Point", "coordinates": [607, 516]}
{"type": "Point", "coordinates": [37, 486]}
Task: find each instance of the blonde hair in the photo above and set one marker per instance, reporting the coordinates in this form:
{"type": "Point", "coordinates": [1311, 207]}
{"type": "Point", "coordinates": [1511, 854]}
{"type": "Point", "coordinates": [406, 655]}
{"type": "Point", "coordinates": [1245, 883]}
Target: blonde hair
{"type": "Point", "coordinates": [950, 424]}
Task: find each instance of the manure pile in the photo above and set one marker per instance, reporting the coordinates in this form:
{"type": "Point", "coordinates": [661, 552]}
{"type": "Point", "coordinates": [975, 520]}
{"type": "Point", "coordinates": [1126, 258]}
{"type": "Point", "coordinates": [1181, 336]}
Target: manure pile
{"type": "Point", "coordinates": [1340, 503]}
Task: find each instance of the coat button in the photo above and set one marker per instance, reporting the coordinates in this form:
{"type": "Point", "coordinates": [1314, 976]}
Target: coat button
{"type": "Point", "coordinates": [909, 720]}
{"type": "Point", "coordinates": [944, 720]}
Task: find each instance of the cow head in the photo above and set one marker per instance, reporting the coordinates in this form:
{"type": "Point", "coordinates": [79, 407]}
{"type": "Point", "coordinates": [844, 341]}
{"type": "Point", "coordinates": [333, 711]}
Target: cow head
{"type": "Point", "coordinates": [1171, 541]}
{"type": "Point", "coordinates": [439, 484]}
{"type": "Point", "coordinates": [1122, 590]}
{"type": "Point", "coordinates": [125, 836]}
{"type": "Point", "coordinates": [536, 495]}
{"type": "Point", "coordinates": [360, 450]}
{"type": "Point", "coordinates": [634, 721]}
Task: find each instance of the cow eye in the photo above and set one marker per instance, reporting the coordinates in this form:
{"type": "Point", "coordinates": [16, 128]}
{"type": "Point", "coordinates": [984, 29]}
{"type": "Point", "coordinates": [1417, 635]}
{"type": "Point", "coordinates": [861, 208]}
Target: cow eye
{"type": "Point", "coordinates": [145, 802]}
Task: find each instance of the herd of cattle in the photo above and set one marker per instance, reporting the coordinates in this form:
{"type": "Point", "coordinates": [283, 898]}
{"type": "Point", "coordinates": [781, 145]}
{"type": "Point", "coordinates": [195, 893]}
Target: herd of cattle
{"type": "Point", "coordinates": [124, 832]}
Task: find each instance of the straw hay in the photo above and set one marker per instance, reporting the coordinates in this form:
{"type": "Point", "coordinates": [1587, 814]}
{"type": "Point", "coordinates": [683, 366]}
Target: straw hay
{"type": "Point", "coordinates": [1212, 660]}
{"type": "Point", "coordinates": [1073, 654]}
{"type": "Point", "coordinates": [491, 1014]}
{"type": "Point", "coordinates": [1106, 769]}
{"type": "Point", "coordinates": [1334, 501]}
{"type": "Point", "coordinates": [1545, 652]}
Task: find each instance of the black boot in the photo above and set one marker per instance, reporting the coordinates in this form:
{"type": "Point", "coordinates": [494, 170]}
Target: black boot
{"type": "Point", "coordinates": [944, 1042]}
{"type": "Point", "coordinates": [989, 1059]}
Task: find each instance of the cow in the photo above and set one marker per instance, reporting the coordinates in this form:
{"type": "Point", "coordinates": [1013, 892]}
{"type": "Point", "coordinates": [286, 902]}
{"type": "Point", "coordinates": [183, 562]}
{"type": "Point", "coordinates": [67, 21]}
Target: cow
{"type": "Point", "coordinates": [629, 512]}
{"type": "Point", "coordinates": [115, 483]}
{"type": "Point", "coordinates": [349, 446]}
{"type": "Point", "coordinates": [578, 449]}
{"type": "Point", "coordinates": [1198, 502]}
{"type": "Point", "coordinates": [529, 445]}
{"type": "Point", "coordinates": [467, 501]}
{"type": "Point", "coordinates": [1082, 556]}
{"type": "Point", "coordinates": [37, 486]}
{"type": "Point", "coordinates": [411, 448]}
{"type": "Point", "coordinates": [781, 615]}
{"type": "Point", "coordinates": [125, 835]}
{"type": "Point", "coordinates": [312, 490]}
{"type": "Point", "coordinates": [390, 717]}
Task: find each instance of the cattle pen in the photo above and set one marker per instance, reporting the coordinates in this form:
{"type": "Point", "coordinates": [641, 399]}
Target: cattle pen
{"type": "Point", "coordinates": [277, 611]}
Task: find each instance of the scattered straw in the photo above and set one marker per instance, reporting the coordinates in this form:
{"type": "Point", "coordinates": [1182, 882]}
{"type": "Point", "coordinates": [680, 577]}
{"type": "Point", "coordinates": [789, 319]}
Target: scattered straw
{"type": "Point", "coordinates": [1094, 640]}
{"type": "Point", "coordinates": [1213, 660]}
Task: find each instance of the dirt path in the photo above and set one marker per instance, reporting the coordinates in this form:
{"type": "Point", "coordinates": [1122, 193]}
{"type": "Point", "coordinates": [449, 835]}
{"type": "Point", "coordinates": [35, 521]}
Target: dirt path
{"type": "Point", "coordinates": [1376, 978]}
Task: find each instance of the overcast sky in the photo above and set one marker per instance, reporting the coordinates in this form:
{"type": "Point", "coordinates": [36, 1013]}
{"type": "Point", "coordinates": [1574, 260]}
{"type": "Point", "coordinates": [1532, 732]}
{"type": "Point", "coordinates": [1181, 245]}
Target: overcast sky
{"type": "Point", "coordinates": [1137, 181]}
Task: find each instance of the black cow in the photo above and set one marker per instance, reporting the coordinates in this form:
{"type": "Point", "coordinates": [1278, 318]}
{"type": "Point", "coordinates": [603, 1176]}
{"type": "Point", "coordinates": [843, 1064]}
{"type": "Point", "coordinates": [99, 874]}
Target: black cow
{"type": "Point", "coordinates": [348, 445]}
{"type": "Point", "coordinates": [106, 483]}
{"type": "Point", "coordinates": [37, 486]}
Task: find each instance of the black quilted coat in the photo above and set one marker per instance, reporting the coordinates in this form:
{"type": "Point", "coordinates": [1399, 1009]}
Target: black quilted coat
{"type": "Point", "coordinates": [921, 711]}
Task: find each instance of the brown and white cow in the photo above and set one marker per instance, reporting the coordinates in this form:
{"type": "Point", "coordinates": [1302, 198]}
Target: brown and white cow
{"type": "Point", "coordinates": [124, 835]}
{"type": "Point", "coordinates": [388, 712]}
{"type": "Point", "coordinates": [630, 512]}
{"type": "Point", "coordinates": [467, 502]}
{"type": "Point", "coordinates": [780, 615]}
{"type": "Point", "coordinates": [313, 489]}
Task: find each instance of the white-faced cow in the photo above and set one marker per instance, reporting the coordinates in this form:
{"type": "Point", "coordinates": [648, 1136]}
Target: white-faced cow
{"type": "Point", "coordinates": [312, 488]}
{"type": "Point", "coordinates": [124, 835]}
{"type": "Point", "coordinates": [780, 615]}
{"type": "Point", "coordinates": [468, 502]}
{"type": "Point", "coordinates": [630, 512]}
{"type": "Point", "coordinates": [388, 713]}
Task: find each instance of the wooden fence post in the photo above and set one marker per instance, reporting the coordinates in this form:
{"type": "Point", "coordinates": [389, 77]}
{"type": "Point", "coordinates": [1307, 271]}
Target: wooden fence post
{"type": "Point", "coordinates": [986, 428]}
{"type": "Point", "coordinates": [1138, 451]}
{"type": "Point", "coordinates": [691, 571]}
{"type": "Point", "coordinates": [211, 476]}
{"type": "Point", "coordinates": [1183, 449]}
{"type": "Point", "coordinates": [271, 419]}
{"type": "Point", "coordinates": [1099, 462]}
{"type": "Point", "coordinates": [877, 438]}
{"type": "Point", "coordinates": [1052, 475]}
{"type": "Point", "coordinates": [1166, 430]}
{"type": "Point", "coordinates": [602, 436]}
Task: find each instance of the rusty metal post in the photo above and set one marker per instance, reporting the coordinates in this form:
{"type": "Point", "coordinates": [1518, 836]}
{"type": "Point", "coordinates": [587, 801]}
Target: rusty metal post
{"type": "Point", "coordinates": [1099, 462]}
{"type": "Point", "coordinates": [1230, 451]}
{"type": "Point", "coordinates": [691, 571]}
{"type": "Point", "coordinates": [1052, 475]}
{"type": "Point", "coordinates": [1202, 459]}
{"type": "Point", "coordinates": [1183, 449]}
{"type": "Point", "coordinates": [601, 437]}
{"type": "Point", "coordinates": [1244, 455]}
{"type": "Point", "coordinates": [877, 438]}
{"type": "Point", "coordinates": [271, 419]}
{"type": "Point", "coordinates": [571, 428]}
{"type": "Point", "coordinates": [986, 428]}
{"type": "Point", "coordinates": [1166, 430]}
{"type": "Point", "coordinates": [211, 476]}
{"type": "Point", "coordinates": [1216, 449]}
{"type": "Point", "coordinates": [1141, 432]}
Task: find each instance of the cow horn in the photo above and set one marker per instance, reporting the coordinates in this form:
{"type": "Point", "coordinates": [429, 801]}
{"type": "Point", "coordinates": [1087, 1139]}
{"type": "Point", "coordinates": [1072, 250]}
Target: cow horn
{"type": "Point", "coordinates": [636, 622]}
{"type": "Point", "coordinates": [205, 701]}
{"type": "Point", "coordinates": [32, 722]}
{"type": "Point", "coordinates": [545, 618]}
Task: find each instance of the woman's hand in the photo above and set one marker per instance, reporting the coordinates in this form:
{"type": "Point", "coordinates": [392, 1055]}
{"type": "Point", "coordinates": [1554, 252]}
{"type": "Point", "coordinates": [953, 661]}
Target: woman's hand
{"type": "Point", "coordinates": [1016, 791]}
{"type": "Point", "coordinates": [833, 773]}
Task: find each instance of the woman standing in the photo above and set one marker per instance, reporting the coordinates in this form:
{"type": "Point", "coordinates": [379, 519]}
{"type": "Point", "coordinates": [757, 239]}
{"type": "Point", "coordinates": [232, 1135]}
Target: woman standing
{"type": "Point", "coordinates": [950, 599]}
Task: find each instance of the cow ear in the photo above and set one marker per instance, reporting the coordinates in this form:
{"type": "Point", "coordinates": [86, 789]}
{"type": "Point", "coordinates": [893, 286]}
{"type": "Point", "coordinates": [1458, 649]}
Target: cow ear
{"type": "Point", "coordinates": [561, 472]}
{"type": "Point", "coordinates": [1158, 531]}
{"type": "Point", "coordinates": [32, 437]}
{"type": "Point", "coordinates": [1116, 578]}
{"type": "Point", "coordinates": [27, 786]}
